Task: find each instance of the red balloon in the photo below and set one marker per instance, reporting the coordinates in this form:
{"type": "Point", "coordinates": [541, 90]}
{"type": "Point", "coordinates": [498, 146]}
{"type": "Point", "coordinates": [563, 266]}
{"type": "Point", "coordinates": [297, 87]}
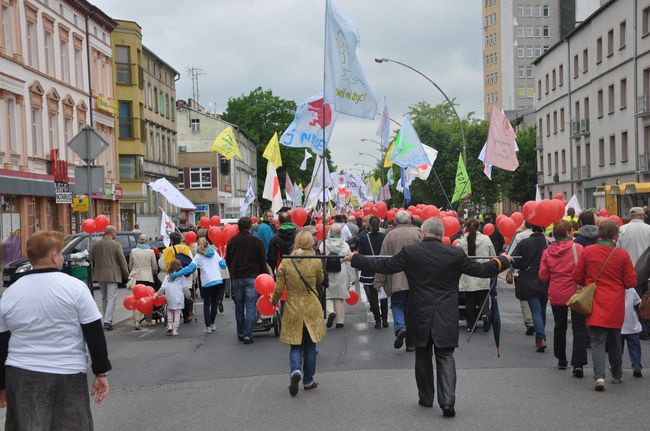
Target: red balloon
{"type": "Point", "coordinates": [190, 237]}
{"type": "Point", "coordinates": [499, 218]}
{"type": "Point", "coordinates": [381, 209]}
{"type": "Point", "coordinates": [559, 210]}
{"type": "Point", "coordinates": [215, 220]}
{"type": "Point", "coordinates": [151, 291]}
{"type": "Point", "coordinates": [507, 227]}
{"type": "Point", "coordinates": [518, 218]}
{"type": "Point", "coordinates": [507, 240]}
{"type": "Point", "coordinates": [204, 222]}
{"type": "Point", "coordinates": [160, 301]}
{"type": "Point", "coordinates": [254, 219]}
{"type": "Point", "coordinates": [559, 196]}
{"type": "Point", "coordinates": [129, 302]}
{"type": "Point", "coordinates": [319, 231]}
{"type": "Point", "coordinates": [214, 234]}
{"type": "Point", "coordinates": [603, 213]}
{"type": "Point", "coordinates": [264, 284]}
{"type": "Point", "coordinates": [299, 216]}
{"type": "Point", "coordinates": [265, 307]}
{"type": "Point", "coordinates": [446, 240]}
{"type": "Point", "coordinates": [615, 219]}
{"type": "Point", "coordinates": [144, 305]}
{"type": "Point", "coordinates": [354, 297]}
{"type": "Point", "coordinates": [528, 208]}
{"type": "Point", "coordinates": [430, 211]}
{"type": "Point", "coordinates": [452, 226]}
{"type": "Point", "coordinates": [228, 232]}
{"type": "Point", "coordinates": [140, 291]}
{"type": "Point", "coordinates": [88, 225]}
{"type": "Point", "coordinates": [390, 216]}
{"type": "Point", "coordinates": [488, 229]}
{"type": "Point", "coordinates": [544, 213]}
{"type": "Point", "coordinates": [455, 243]}
{"type": "Point", "coordinates": [418, 212]}
{"type": "Point", "coordinates": [101, 221]}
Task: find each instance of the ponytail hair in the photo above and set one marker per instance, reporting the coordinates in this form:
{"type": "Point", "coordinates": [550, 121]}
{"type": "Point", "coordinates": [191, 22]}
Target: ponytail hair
{"type": "Point", "coordinates": [472, 228]}
{"type": "Point", "coordinates": [202, 246]}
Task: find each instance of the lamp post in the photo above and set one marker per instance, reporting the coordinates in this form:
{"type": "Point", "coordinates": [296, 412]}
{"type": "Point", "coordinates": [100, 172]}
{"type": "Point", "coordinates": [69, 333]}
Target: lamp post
{"type": "Point", "coordinates": [460, 123]}
{"type": "Point", "coordinates": [380, 160]}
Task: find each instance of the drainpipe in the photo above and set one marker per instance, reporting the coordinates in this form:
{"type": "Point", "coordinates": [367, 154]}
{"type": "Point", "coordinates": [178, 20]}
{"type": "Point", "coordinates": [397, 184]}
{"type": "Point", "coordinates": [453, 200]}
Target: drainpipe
{"type": "Point", "coordinates": [637, 167]}
{"type": "Point", "coordinates": [569, 77]}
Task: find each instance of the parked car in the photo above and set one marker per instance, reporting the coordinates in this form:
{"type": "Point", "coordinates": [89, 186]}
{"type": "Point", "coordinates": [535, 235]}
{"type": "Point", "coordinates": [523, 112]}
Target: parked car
{"type": "Point", "coordinates": [76, 243]}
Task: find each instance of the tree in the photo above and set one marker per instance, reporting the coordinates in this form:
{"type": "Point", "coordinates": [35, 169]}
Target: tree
{"type": "Point", "coordinates": [260, 114]}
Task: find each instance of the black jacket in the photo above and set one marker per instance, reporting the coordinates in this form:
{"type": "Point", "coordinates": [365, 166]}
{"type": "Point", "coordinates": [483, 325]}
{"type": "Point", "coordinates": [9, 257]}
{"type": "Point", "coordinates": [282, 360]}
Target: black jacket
{"type": "Point", "coordinates": [531, 250]}
{"type": "Point", "coordinates": [587, 235]}
{"type": "Point", "coordinates": [281, 243]}
{"type": "Point", "coordinates": [363, 246]}
{"type": "Point", "coordinates": [245, 256]}
{"type": "Point", "coordinates": [433, 270]}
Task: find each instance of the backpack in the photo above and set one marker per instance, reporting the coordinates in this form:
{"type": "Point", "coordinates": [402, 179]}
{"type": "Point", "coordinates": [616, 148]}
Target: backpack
{"type": "Point", "coordinates": [644, 307]}
{"type": "Point", "coordinates": [184, 259]}
{"type": "Point", "coordinates": [333, 264]}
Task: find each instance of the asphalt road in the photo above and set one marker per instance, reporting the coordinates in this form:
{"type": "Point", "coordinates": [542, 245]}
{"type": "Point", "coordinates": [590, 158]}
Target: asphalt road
{"type": "Point", "coordinates": [213, 382]}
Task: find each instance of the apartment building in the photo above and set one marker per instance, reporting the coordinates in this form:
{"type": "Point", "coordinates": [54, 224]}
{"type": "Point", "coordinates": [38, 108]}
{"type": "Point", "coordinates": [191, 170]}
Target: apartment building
{"type": "Point", "coordinates": [215, 185]}
{"type": "Point", "coordinates": [46, 97]}
{"type": "Point", "coordinates": [593, 110]}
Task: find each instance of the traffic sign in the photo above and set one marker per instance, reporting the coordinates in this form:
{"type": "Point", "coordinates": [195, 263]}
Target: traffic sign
{"type": "Point", "coordinates": [87, 144]}
{"type": "Point", "coordinates": [97, 177]}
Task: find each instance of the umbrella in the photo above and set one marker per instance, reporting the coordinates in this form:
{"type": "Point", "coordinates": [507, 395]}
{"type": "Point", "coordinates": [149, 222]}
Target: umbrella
{"type": "Point", "coordinates": [495, 318]}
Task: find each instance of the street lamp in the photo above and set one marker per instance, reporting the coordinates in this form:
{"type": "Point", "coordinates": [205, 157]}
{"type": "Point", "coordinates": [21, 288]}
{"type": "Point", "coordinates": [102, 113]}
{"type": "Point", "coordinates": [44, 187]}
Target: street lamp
{"type": "Point", "coordinates": [460, 123]}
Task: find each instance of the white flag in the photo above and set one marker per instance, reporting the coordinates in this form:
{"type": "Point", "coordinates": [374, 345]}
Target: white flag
{"type": "Point", "coordinates": [288, 188]}
{"type": "Point", "coordinates": [315, 189]}
{"type": "Point", "coordinates": [424, 170]}
{"type": "Point", "coordinates": [346, 86]}
{"type": "Point", "coordinates": [171, 193]}
{"type": "Point", "coordinates": [538, 195]}
{"type": "Point", "coordinates": [383, 130]}
{"type": "Point", "coordinates": [272, 188]}
{"type": "Point", "coordinates": [297, 196]}
{"type": "Point", "coordinates": [306, 129]}
{"type": "Point", "coordinates": [167, 226]}
{"type": "Point", "coordinates": [303, 165]}
{"type": "Point", "coordinates": [573, 203]}
{"type": "Point", "coordinates": [249, 199]}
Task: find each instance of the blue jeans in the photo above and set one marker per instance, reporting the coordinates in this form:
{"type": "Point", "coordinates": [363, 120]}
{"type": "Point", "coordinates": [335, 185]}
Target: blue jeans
{"type": "Point", "coordinates": [538, 310]}
{"type": "Point", "coordinates": [633, 347]}
{"type": "Point", "coordinates": [302, 357]}
{"type": "Point", "coordinates": [245, 297]}
{"type": "Point", "coordinates": [398, 302]}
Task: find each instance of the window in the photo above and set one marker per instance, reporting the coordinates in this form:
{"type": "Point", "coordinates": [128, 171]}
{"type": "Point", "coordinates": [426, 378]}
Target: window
{"type": "Point", "coordinates": [623, 95]}
{"type": "Point", "coordinates": [181, 179]}
{"type": "Point", "coordinates": [555, 122]}
{"type": "Point", "coordinates": [32, 59]}
{"type": "Point", "coordinates": [529, 11]}
{"type": "Point", "coordinates": [561, 74]}
{"type": "Point", "coordinates": [545, 11]}
{"type": "Point", "coordinates": [541, 164]}
{"type": "Point", "coordinates": [538, 31]}
{"type": "Point", "coordinates": [521, 92]}
{"type": "Point", "coordinates": [529, 71]}
{"type": "Point", "coordinates": [529, 52]}
{"type": "Point", "coordinates": [529, 31]}
{"type": "Point", "coordinates": [539, 89]}
{"type": "Point", "coordinates": [575, 66]}
{"type": "Point", "coordinates": [623, 147]}
{"type": "Point", "coordinates": [563, 161]}
{"type": "Point", "coordinates": [37, 132]}
{"type": "Point", "coordinates": [520, 11]}
{"type": "Point", "coordinates": [645, 25]}
{"type": "Point", "coordinates": [529, 92]}
{"type": "Point", "coordinates": [521, 31]}
{"type": "Point", "coordinates": [521, 72]}
{"type": "Point", "coordinates": [173, 109]}
{"type": "Point", "coordinates": [538, 51]}
{"type": "Point", "coordinates": [622, 30]}
{"type": "Point", "coordinates": [520, 52]}
{"type": "Point", "coordinates": [548, 164]}
{"type": "Point", "coordinates": [599, 50]}
{"type": "Point", "coordinates": [585, 61]}
{"type": "Point", "coordinates": [548, 125]}
{"type": "Point", "coordinates": [52, 129]}
{"type": "Point", "coordinates": [195, 123]}
{"type": "Point", "coordinates": [131, 167]}
{"type": "Point", "coordinates": [123, 64]}
{"type": "Point", "coordinates": [610, 94]}
{"type": "Point", "coordinates": [7, 41]}
{"type": "Point", "coordinates": [557, 162]}
{"type": "Point", "coordinates": [553, 79]}
{"type": "Point", "coordinates": [601, 152]}
{"type": "Point", "coordinates": [600, 103]}
{"type": "Point", "coordinates": [13, 124]}
{"type": "Point", "coordinates": [546, 84]}
{"type": "Point", "coordinates": [155, 99]}
{"type": "Point", "coordinates": [125, 119]}
{"type": "Point", "coordinates": [612, 149]}
{"type": "Point", "coordinates": [610, 43]}
{"type": "Point", "coordinates": [538, 11]}
{"type": "Point", "coordinates": [561, 119]}
{"type": "Point", "coordinates": [78, 68]}
{"type": "Point", "coordinates": [65, 63]}
{"type": "Point", "coordinates": [200, 178]}
{"type": "Point", "coordinates": [67, 131]}
{"type": "Point", "coordinates": [162, 103]}
{"type": "Point", "coordinates": [49, 53]}
{"type": "Point", "coordinates": [546, 31]}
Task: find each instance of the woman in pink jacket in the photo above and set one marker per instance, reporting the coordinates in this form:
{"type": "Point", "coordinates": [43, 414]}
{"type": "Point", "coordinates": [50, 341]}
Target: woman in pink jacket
{"type": "Point", "coordinates": [556, 267]}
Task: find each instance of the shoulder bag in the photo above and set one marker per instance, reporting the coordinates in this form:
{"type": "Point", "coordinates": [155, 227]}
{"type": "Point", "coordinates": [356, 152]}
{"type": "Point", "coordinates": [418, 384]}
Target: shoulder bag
{"type": "Point", "coordinates": [311, 289]}
{"type": "Point", "coordinates": [583, 299]}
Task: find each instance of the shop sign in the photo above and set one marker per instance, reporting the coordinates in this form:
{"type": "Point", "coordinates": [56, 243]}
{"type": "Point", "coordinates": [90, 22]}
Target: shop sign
{"type": "Point", "coordinates": [62, 193]}
{"type": "Point", "coordinates": [105, 105]}
{"type": "Point", "coordinates": [80, 205]}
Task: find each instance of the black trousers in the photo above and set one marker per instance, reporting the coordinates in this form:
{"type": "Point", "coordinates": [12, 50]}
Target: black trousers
{"type": "Point", "coordinates": [445, 372]}
{"type": "Point", "coordinates": [473, 302]}
{"type": "Point", "coordinates": [579, 330]}
{"type": "Point", "coordinates": [212, 296]}
{"type": "Point", "coordinates": [378, 308]}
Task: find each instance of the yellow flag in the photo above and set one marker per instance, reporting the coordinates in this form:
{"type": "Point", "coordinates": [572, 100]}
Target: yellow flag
{"type": "Point", "coordinates": [354, 201]}
{"type": "Point", "coordinates": [387, 161]}
{"type": "Point", "coordinates": [226, 144]}
{"type": "Point", "coordinates": [272, 152]}
{"type": "Point", "coordinates": [376, 184]}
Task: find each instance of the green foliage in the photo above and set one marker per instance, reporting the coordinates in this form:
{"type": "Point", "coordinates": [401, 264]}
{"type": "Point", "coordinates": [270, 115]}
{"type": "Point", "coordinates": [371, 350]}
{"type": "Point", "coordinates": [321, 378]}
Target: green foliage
{"type": "Point", "coordinates": [260, 114]}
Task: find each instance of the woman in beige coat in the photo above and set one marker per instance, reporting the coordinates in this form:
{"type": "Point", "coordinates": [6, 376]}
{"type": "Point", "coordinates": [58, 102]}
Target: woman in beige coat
{"type": "Point", "coordinates": [142, 268]}
{"type": "Point", "coordinates": [302, 318]}
{"type": "Point", "coordinates": [475, 289]}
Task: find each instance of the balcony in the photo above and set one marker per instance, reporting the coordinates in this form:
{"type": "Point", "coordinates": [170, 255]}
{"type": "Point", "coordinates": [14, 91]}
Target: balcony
{"type": "Point", "coordinates": [584, 127]}
{"type": "Point", "coordinates": [644, 163]}
{"type": "Point", "coordinates": [575, 128]}
{"type": "Point", "coordinates": [643, 105]}
{"type": "Point", "coordinates": [539, 144]}
{"type": "Point", "coordinates": [580, 128]}
{"type": "Point", "coordinates": [576, 173]}
{"type": "Point", "coordinates": [585, 172]}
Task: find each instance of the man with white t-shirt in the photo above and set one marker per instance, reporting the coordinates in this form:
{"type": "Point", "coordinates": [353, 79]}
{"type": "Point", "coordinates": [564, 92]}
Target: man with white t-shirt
{"type": "Point", "coordinates": [47, 318]}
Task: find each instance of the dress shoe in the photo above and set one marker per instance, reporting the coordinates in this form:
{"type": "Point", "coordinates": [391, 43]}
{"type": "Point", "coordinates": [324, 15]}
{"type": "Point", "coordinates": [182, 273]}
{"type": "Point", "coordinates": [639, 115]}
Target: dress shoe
{"type": "Point", "coordinates": [562, 365]}
{"type": "Point", "coordinates": [384, 324]}
{"type": "Point", "coordinates": [423, 404]}
{"type": "Point", "coordinates": [108, 326]}
{"type": "Point", "coordinates": [377, 325]}
{"type": "Point", "coordinates": [636, 371]}
{"type": "Point", "coordinates": [410, 348]}
{"type": "Point", "coordinates": [486, 323]}
{"type": "Point", "coordinates": [448, 411]}
{"type": "Point", "coordinates": [330, 319]}
{"type": "Point", "coordinates": [339, 325]}
{"type": "Point", "coordinates": [399, 338]}
{"type": "Point", "coordinates": [220, 307]}
{"type": "Point", "coordinates": [578, 372]}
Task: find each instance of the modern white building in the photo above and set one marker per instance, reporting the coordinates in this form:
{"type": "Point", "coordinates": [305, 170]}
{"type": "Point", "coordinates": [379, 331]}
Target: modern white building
{"type": "Point", "coordinates": [593, 109]}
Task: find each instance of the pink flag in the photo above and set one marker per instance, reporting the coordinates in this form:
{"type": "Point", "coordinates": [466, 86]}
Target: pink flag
{"type": "Point", "coordinates": [501, 148]}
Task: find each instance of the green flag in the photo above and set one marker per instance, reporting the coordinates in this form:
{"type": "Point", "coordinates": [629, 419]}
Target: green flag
{"type": "Point", "coordinates": [463, 188]}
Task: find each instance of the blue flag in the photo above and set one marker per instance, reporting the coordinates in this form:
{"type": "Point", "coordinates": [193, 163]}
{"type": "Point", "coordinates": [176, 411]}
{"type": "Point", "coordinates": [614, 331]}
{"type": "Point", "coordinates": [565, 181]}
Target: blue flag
{"type": "Point", "coordinates": [405, 186]}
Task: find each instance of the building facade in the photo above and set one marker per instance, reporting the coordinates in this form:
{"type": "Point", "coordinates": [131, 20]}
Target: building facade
{"type": "Point", "coordinates": [144, 94]}
{"type": "Point", "coordinates": [217, 186]}
{"type": "Point", "coordinates": [593, 110]}
{"type": "Point", "coordinates": [45, 100]}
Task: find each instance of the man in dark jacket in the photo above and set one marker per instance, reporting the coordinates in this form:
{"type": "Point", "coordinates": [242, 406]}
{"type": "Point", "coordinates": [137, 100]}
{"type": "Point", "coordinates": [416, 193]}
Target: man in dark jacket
{"type": "Point", "coordinates": [433, 271]}
{"type": "Point", "coordinates": [282, 241]}
{"type": "Point", "coordinates": [497, 238]}
{"type": "Point", "coordinates": [246, 260]}
{"type": "Point", "coordinates": [369, 243]}
{"type": "Point", "coordinates": [588, 232]}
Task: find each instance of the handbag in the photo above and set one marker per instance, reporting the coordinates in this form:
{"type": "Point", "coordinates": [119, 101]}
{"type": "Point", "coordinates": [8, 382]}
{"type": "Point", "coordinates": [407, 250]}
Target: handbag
{"type": "Point", "coordinates": [583, 299]}
{"type": "Point", "coordinates": [130, 284]}
{"type": "Point", "coordinates": [311, 289]}
{"type": "Point", "coordinates": [510, 277]}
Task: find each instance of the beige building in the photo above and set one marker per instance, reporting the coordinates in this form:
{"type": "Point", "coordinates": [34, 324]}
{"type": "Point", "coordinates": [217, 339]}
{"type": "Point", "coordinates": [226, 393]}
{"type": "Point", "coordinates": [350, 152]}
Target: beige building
{"type": "Point", "coordinates": [593, 110]}
{"type": "Point", "coordinates": [44, 103]}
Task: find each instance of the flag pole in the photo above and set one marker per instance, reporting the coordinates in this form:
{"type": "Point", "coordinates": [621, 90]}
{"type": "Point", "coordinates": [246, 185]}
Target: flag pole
{"type": "Point", "coordinates": [323, 161]}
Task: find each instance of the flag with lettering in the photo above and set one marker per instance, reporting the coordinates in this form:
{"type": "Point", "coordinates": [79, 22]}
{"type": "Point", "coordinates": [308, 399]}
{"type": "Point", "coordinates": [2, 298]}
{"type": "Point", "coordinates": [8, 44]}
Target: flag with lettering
{"type": "Point", "coordinates": [306, 129]}
{"type": "Point", "coordinates": [226, 144]}
{"type": "Point", "coordinates": [424, 170]}
{"type": "Point", "coordinates": [501, 147]}
{"type": "Point", "coordinates": [383, 129]}
{"type": "Point", "coordinates": [248, 199]}
{"type": "Point", "coordinates": [408, 150]}
{"type": "Point", "coordinates": [463, 187]}
{"type": "Point", "coordinates": [167, 226]}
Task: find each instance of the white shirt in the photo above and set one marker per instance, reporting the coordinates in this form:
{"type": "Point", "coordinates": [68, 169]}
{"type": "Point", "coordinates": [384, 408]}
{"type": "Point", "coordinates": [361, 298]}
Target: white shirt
{"type": "Point", "coordinates": [345, 233]}
{"type": "Point", "coordinates": [44, 312]}
{"type": "Point", "coordinates": [173, 291]}
{"type": "Point", "coordinates": [634, 238]}
{"type": "Point", "coordinates": [631, 325]}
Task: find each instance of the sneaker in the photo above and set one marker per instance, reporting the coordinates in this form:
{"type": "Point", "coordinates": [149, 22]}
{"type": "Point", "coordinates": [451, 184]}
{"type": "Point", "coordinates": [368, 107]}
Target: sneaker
{"type": "Point", "coordinates": [330, 319]}
{"type": "Point", "coordinates": [207, 330]}
{"type": "Point", "coordinates": [377, 324]}
{"type": "Point", "coordinates": [486, 323]}
{"type": "Point", "coordinates": [174, 332]}
{"type": "Point", "coordinates": [212, 328]}
{"type": "Point", "coordinates": [562, 365]}
{"type": "Point", "coordinates": [530, 330]}
{"type": "Point", "coordinates": [339, 325]}
{"type": "Point", "coordinates": [636, 371]}
{"type": "Point", "coordinates": [578, 372]}
{"type": "Point", "coordinates": [294, 381]}
{"type": "Point", "coordinates": [108, 326]}
{"type": "Point", "coordinates": [169, 330]}
{"type": "Point", "coordinates": [399, 338]}
{"type": "Point", "coordinates": [616, 380]}
{"type": "Point", "coordinates": [600, 385]}
{"type": "Point", "coordinates": [540, 345]}
{"type": "Point", "coordinates": [248, 341]}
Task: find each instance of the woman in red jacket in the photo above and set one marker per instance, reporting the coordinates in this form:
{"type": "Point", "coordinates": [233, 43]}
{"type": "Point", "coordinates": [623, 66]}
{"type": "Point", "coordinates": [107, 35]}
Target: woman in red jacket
{"type": "Point", "coordinates": [614, 272]}
{"type": "Point", "coordinates": [557, 265]}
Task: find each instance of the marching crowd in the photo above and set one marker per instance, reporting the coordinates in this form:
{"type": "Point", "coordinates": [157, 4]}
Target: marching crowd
{"type": "Point", "coordinates": [421, 282]}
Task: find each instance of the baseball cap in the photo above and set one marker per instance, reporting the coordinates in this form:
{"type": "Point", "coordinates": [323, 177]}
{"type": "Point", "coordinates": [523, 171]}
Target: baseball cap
{"type": "Point", "coordinates": [636, 211]}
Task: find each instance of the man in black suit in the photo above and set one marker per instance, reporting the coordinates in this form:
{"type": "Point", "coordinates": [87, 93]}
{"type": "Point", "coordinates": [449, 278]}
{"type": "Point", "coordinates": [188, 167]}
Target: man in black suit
{"type": "Point", "coordinates": [433, 270]}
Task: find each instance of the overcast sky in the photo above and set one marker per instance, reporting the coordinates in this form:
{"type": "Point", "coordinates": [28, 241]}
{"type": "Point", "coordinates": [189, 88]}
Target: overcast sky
{"type": "Point", "coordinates": [278, 45]}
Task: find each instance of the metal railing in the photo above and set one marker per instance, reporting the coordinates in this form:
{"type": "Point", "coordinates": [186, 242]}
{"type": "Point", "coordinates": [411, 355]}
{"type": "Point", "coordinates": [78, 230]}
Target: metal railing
{"type": "Point", "coordinates": [643, 105]}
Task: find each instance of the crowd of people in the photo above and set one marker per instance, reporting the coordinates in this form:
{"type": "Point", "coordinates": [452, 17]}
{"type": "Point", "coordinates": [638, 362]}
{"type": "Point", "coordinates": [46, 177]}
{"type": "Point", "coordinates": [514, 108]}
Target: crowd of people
{"type": "Point", "coordinates": [421, 282]}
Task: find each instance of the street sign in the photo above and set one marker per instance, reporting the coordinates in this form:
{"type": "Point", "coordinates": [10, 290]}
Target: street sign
{"type": "Point", "coordinates": [88, 150]}
{"type": "Point", "coordinates": [63, 197]}
{"type": "Point", "coordinates": [80, 205]}
{"type": "Point", "coordinates": [97, 176]}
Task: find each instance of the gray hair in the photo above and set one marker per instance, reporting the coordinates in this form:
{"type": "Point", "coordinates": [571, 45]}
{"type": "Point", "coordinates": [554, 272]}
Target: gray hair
{"type": "Point", "coordinates": [403, 217]}
{"type": "Point", "coordinates": [143, 239]}
{"type": "Point", "coordinates": [351, 219]}
{"type": "Point", "coordinates": [335, 230]}
{"type": "Point", "coordinates": [433, 227]}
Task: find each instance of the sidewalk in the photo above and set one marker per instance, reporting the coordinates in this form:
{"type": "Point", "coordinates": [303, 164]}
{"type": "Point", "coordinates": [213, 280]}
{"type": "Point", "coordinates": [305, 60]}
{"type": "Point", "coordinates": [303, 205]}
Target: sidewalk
{"type": "Point", "coordinates": [120, 314]}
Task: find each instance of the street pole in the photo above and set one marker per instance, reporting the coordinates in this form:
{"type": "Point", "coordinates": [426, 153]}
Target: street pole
{"type": "Point", "coordinates": [382, 157]}
{"type": "Point", "coordinates": [90, 113]}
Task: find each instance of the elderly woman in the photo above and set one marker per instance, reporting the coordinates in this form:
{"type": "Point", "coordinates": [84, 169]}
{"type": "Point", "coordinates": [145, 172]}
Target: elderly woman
{"type": "Point", "coordinates": [142, 268]}
{"type": "Point", "coordinates": [612, 270]}
{"type": "Point", "coordinates": [302, 323]}
{"type": "Point", "coordinates": [339, 275]}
